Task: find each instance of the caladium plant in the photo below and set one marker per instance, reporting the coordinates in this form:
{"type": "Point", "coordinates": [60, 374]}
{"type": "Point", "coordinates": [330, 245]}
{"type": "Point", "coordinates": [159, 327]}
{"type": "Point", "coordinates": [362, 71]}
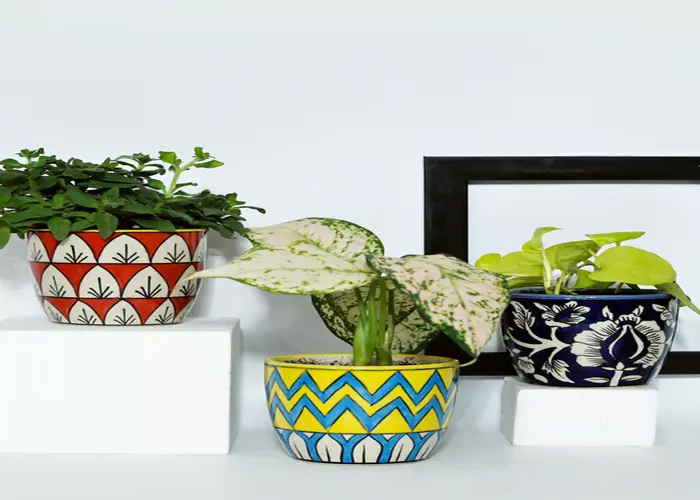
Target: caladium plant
{"type": "Point", "coordinates": [42, 192]}
{"type": "Point", "coordinates": [380, 305]}
{"type": "Point", "coordinates": [600, 262]}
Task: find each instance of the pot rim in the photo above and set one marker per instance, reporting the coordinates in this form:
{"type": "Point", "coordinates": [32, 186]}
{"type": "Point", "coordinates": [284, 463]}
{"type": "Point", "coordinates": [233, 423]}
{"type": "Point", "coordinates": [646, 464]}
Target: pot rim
{"type": "Point", "coordinates": [622, 296]}
{"type": "Point", "coordinates": [126, 231]}
{"type": "Point", "coordinates": [438, 362]}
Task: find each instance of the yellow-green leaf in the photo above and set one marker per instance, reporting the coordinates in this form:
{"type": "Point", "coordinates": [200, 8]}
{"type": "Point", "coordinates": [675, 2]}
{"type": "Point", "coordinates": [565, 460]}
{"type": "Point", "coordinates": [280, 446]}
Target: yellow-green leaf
{"type": "Point", "coordinates": [634, 266]}
{"type": "Point", "coordinates": [603, 239]}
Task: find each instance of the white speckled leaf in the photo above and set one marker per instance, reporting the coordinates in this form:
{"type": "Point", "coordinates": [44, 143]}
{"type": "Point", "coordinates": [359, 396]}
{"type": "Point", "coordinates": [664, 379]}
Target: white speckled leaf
{"type": "Point", "coordinates": [462, 301]}
{"type": "Point", "coordinates": [339, 312]}
{"type": "Point", "coordinates": [308, 256]}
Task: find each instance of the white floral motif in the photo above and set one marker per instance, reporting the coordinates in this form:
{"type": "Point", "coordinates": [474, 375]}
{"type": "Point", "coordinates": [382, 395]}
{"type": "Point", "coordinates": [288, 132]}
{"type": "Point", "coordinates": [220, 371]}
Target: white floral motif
{"type": "Point", "coordinates": [668, 315]}
{"type": "Point", "coordinates": [648, 337]}
{"type": "Point", "coordinates": [558, 368]}
{"type": "Point", "coordinates": [563, 316]}
{"type": "Point", "coordinates": [526, 365]}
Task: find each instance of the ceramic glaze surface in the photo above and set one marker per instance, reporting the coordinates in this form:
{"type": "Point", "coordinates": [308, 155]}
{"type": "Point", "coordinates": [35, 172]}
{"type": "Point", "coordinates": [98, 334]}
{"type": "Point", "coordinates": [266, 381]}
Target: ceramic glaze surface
{"type": "Point", "coordinates": [589, 341]}
{"type": "Point", "coordinates": [128, 279]}
{"type": "Point", "coordinates": [347, 414]}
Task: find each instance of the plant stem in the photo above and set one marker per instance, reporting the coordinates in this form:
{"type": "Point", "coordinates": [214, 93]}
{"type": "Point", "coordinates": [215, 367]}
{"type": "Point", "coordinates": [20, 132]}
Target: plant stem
{"type": "Point", "coordinates": [386, 325]}
{"type": "Point", "coordinates": [176, 176]}
{"type": "Point", "coordinates": [366, 330]}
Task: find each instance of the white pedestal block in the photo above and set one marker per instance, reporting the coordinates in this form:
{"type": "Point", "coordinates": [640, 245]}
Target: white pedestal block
{"type": "Point", "coordinates": [110, 389]}
{"type": "Point", "coordinates": [534, 415]}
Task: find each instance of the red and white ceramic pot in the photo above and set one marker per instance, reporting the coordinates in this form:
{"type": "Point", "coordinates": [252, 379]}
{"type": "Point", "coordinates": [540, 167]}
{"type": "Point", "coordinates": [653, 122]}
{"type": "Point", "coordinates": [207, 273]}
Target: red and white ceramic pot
{"type": "Point", "coordinates": [127, 279]}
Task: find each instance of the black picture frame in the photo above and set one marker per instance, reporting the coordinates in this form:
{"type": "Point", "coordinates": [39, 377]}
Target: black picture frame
{"type": "Point", "coordinates": [446, 186]}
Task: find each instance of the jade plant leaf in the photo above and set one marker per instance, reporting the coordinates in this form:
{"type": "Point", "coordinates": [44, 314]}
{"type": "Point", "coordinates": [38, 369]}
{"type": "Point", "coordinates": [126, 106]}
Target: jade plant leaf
{"type": "Point", "coordinates": [340, 312]}
{"type": "Point", "coordinates": [603, 239]}
{"type": "Point", "coordinates": [625, 264]}
{"type": "Point", "coordinates": [311, 256]}
{"type": "Point", "coordinates": [462, 301]}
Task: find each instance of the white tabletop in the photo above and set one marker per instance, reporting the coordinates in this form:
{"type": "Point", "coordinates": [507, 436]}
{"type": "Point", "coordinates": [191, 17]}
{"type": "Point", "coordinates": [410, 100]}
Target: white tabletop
{"type": "Point", "coordinates": [474, 459]}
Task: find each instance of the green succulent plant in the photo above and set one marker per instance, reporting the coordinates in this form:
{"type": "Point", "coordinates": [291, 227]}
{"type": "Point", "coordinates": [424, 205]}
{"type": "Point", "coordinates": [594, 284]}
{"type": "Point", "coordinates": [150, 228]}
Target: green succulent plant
{"type": "Point", "coordinates": [380, 305]}
{"type": "Point", "coordinates": [41, 192]}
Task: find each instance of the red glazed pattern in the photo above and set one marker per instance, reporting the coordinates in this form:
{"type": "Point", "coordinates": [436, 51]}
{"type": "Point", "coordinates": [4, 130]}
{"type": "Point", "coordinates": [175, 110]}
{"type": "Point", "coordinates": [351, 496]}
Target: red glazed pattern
{"type": "Point", "coordinates": [127, 279]}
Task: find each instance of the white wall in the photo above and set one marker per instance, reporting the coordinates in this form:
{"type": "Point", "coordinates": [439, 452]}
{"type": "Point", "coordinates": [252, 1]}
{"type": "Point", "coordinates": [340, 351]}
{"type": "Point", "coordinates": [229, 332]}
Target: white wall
{"type": "Point", "coordinates": [323, 107]}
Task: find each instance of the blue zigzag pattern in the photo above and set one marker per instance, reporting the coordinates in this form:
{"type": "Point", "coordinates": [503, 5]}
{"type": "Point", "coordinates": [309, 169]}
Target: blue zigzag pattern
{"type": "Point", "coordinates": [397, 379]}
{"type": "Point", "coordinates": [369, 422]}
{"type": "Point", "coordinates": [348, 443]}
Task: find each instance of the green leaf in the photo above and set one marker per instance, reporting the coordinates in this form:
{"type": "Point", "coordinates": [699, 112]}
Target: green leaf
{"type": "Point", "coordinates": [340, 313]}
{"type": "Point", "coordinates": [58, 201]}
{"type": "Point", "coordinates": [81, 225]}
{"type": "Point", "coordinates": [5, 198]}
{"type": "Point", "coordinates": [567, 256]}
{"type": "Point", "coordinates": [46, 182]}
{"type": "Point", "coordinates": [675, 290]}
{"type": "Point", "coordinates": [518, 264]}
{"type": "Point", "coordinates": [584, 282]}
{"type": "Point", "coordinates": [486, 260]}
{"type": "Point", "coordinates": [634, 266]}
{"type": "Point", "coordinates": [311, 256]}
{"type": "Point", "coordinates": [209, 164]}
{"type": "Point", "coordinates": [158, 224]}
{"type": "Point", "coordinates": [462, 301]}
{"type": "Point", "coordinates": [106, 223]}
{"type": "Point", "coordinates": [80, 198]}
{"type": "Point", "coordinates": [133, 208]}
{"type": "Point", "coordinates": [29, 213]}
{"type": "Point", "coordinates": [5, 233]}
{"type": "Point", "coordinates": [59, 227]}
{"type": "Point", "coordinates": [525, 282]}
{"type": "Point", "coordinates": [200, 154]}
{"type": "Point", "coordinates": [603, 239]}
{"type": "Point", "coordinates": [535, 243]}
{"type": "Point", "coordinates": [156, 184]}
{"type": "Point", "coordinates": [168, 157]}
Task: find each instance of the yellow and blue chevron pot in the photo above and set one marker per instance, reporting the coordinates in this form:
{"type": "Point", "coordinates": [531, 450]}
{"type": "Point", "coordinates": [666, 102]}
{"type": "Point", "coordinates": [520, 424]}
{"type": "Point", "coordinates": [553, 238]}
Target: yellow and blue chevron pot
{"type": "Point", "coordinates": [325, 410]}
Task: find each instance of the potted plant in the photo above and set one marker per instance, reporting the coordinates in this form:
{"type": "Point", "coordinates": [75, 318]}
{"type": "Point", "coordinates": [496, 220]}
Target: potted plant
{"type": "Point", "coordinates": [374, 406]}
{"type": "Point", "coordinates": [108, 242]}
{"type": "Point", "coordinates": [588, 313]}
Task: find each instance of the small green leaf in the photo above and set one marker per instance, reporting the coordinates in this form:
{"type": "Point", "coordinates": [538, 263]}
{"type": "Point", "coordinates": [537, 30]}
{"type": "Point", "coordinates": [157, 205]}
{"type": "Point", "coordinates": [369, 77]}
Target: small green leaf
{"type": "Point", "coordinates": [200, 154]}
{"type": "Point", "coordinates": [159, 225]}
{"type": "Point", "coordinates": [5, 233]}
{"type": "Point", "coordinates": [59, 227]}
{"type": "Point", "coordinates": [209, 164]}
{"type": "Point", "coordinates": [603, 239]}
{"type": "Point", "coordinates": [106, 223]}
{"type": "Point", "coordinates": [81, 225]}
{"type": "Point", "coordinates": [584, 282]}
{"type": "Point", "coordinates": [58, 201]}
{"type": "Point", "coordinates": [535, 243]}
{"type": "Point", "coordinates": [168, 157]}
{"type": "Point", "coordinates": [525, 282]}
{"type": "Point", "coordinates": [675, 290]}
{"type": "Point", "coordinates": [485, 261]}
{"type": "Point", "coordinates": [80, 198]}
{"type": "Point", "coordinates": [634, 266]}
{"type": "Point", "coordinates": [156, 184]}
{"type": "Point", "coordinates": [5, 198]}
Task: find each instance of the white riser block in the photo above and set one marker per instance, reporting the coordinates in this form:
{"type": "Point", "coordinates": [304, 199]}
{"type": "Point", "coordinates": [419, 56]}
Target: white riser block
{"type": "Point", "coordinates": [533, 415]}
{"type": "Point", "coordinates": [167, 389]}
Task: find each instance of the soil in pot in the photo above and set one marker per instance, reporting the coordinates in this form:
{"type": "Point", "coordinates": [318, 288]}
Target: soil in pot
{"type": "Point", "coordinates": [602, 339]}
{"type": "Point", "coordinates": [324, 409]}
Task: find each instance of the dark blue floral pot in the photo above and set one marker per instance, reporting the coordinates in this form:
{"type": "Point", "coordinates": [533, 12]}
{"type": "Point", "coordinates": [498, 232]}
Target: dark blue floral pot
{"type": "Point", "coordinates": [603, 340]}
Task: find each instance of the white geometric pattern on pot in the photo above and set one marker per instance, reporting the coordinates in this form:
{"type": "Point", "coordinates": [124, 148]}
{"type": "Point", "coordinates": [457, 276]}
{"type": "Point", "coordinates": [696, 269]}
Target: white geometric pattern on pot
{"type": "Point", "coordinates": [298, 446]}
{"type": "Point", "coordinates": [82, 314]}
{"type": "Point", "coordinates": [367, 451]}
{"type": "Point", "coordinates": [428, 447]}
{"type": "Point", "coordinates": [174, 250]}
{"type": "Point", "coordinates": [124, 249]}
{"type": "Point", "coordinates": [36, 250]}
{"type": "Point", "coordinates": [55, 284]}
{"type": "Point", "coordinates": [74, 250]}
{"type": "Point", "coordinates": [329, 450]}
{"type": "Point", "coordinates": [98, 283]}
{"type": "Point", "coordinates": [200, 251]}
{"type": "Point", "coordinates": [53, 313]}
{"type": "Point", "coordinates": [122, 313]}
{"type": "Point", "coordinates": [146, 284]}
{"type": "Point", "coordinates": [402, 450]}
{"type": "Point", "coordinates": [164, 313]}
{"type": "Point", "coordinates": [186, 288]}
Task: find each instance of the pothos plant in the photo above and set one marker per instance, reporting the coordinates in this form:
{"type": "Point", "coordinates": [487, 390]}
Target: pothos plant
{"type": "Point", "coordinates": [380, 305]}
{"type": "Point", "coordinates": [599, 263]}
{"type": "Point", "coordinates": [40, 192]}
